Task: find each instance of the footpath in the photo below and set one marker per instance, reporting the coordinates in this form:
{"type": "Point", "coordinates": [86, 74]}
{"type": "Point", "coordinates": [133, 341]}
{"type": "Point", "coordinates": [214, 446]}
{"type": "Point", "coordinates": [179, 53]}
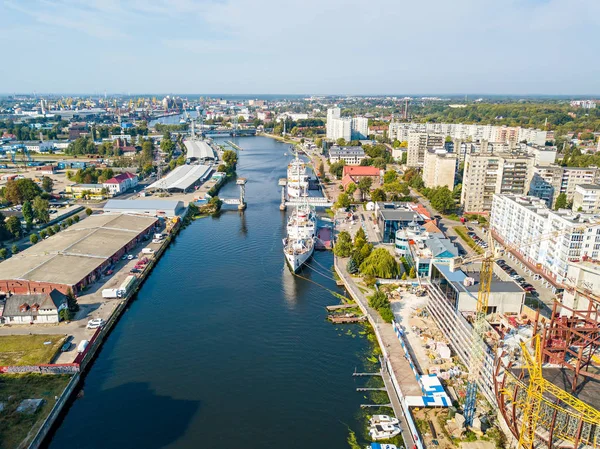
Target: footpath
{"type": "Point", "coordinates": [397, 372]}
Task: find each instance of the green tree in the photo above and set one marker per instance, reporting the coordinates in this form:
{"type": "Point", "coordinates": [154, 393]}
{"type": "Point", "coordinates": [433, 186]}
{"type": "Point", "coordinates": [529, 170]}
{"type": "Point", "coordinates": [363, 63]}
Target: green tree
{"type": "Point", "coordinates": [319, 142]}
{"type": "Point", "coordinates": [3, 253]}
{"type": "Point", "coordinates": [72, 302]}
{"type": "Point", "coordinates": [41, 209]}
{"type": "Point", "coordinates": [337, 169]}
{"type": "Point", "coordinates": [321, 168]}
{"type": "Point", "coordinates": [404, 158]}
{"type": "Point", "coordinates": [56, 228]}
{"type": "Point", "coordinates": [364, 185]}
{"type": "Point", "coordinates": [378, 300]}
{"type": "Point", "coordinates": [64, 315]}
{"type": "Point", "coordinates": [351, 188]}
{"type": "Point", "coordinates": [76, 218]}
{"type": "Point", "coordinates": [378, 195]}
{"type": "Point", "coordinates": [361, 253]}
{"type": "Point", "coordinates": [47, 184]}
{"type": "Point", "coordinates": [442, 200]}
{"type": "Point", "coordinates": [561, 201]}
{"type": "Point", "coordinates": [390, 176]}
{"type": "Point", "coordinates": [457, 191]}
{"type": "Point", "coordinates": [343, 245]}
{"type": "Point", "coordinates": [43, 234]}
{"type": "Point", "coordinates": [352, 266]}
{"type": "Point", "coordinates": [50, 230]}
{"type": "Point", "coordinates": [343, 201]}
{"type": "Point", "coordinates": [404, 276]}
{"type": "Point", "coordinates": [34, 238]}
{"type": "Point", "coordinates": [28, 214]}
{"type": "Point", "coordinates": [13, 226]}
{"type": "Point", "coordinates": [14, 249]}
{"type": "Point", "coordinates": [69, 221]}
{"type": "Point", "coordinates": [21, 190]}
{"type": "Point", "coordinates": [230, 158]}
{"type": "Point", "coordinates": [380, 263]}
{"type": "Point", "coordinates": [89, 211]}
{"type": "Point", "coordinates": [412, 273]}
{"type": "Point", "coordinates": [341, 142]}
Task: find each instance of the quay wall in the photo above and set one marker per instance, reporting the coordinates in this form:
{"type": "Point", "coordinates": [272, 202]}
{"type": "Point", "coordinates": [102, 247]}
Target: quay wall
{"type": "Point", "coordinates": [388, 366]}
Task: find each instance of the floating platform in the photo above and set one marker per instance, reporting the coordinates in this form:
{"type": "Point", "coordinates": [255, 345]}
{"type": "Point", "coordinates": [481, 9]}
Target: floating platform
{"type": "Point", "coordinates": [344, 319]}
{"type": "Point", "coordinates": [341, 306]}
{"type": "Point", "coordinates": [323, 238]}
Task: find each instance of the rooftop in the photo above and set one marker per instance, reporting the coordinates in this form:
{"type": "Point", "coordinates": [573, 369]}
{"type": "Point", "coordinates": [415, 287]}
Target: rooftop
{"type": "Point", "coordinates": [457, 278]}
{"type": "Point", "coordinates": [354, 170]}
{"type": "Point", "coordinates": [198, 149]}
{"type": "Point", "coordinates": [181, 178]}
{"type": "Point", "coordinates": [70, 255]}
{"type": "Point", "coordinates": [346, 151]}
{"type": "Point", "coordinates": [143, 206]}
{"type": "Point", "coordinates": [588, 186]}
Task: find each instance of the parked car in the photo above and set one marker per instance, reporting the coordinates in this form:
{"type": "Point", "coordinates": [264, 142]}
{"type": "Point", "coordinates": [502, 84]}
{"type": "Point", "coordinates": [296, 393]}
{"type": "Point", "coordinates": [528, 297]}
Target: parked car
{"type": "Point", "coordinates": [135, 270]}
{"type": "Point", "coordinates": [95, 323]}
{"type": "Point", "coordinates": [66, 347]}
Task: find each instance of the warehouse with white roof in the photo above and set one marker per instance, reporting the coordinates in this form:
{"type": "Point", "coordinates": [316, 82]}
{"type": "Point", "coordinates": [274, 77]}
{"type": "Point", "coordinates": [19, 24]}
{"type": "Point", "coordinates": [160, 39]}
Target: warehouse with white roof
{"type": "Point", "coordinates": [199, 150]}
{"type": "Point", "coordinates": [150, 207]}
{"type": "Point", "coordinates": [182, 178]}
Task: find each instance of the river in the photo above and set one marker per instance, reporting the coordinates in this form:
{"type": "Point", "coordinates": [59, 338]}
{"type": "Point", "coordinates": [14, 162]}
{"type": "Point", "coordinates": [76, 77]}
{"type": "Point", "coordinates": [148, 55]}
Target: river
{"type": "Point", "coordinates": [223, 347]}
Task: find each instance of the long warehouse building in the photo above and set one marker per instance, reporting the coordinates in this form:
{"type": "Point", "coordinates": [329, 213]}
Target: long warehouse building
{"type": "Point", "coordinates": [74, 257]}
{"type": "Point", "coordinates": [183, 178]}
{"type": "Point", "coordinates": [199, 150]}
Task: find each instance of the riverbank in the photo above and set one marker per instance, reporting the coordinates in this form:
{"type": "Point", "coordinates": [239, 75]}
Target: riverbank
{"type": "Point", "coordinates": [63, 398]}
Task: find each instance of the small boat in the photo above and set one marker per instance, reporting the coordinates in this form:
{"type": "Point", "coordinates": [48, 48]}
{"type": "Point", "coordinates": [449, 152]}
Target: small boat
{"type": "Point", "coordinates": [384, 431]}
{"type": "Point", "coordinates": [384, 419]}
{"type": "Point", "coordinates": [382, 446]}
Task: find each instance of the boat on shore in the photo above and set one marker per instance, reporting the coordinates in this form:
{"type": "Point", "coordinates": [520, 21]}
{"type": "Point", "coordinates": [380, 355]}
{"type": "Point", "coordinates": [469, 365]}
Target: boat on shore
{"type": "Point", "coordinates": [381, 419]}
{"type": "Point", "coordinates": [384, 431]}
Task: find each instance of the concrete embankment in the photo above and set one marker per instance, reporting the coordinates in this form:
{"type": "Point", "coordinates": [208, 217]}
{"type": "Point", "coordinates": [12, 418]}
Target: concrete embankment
{"type": "Point", "coordinates": [95, 344]}
{"type": "Point", "coordinates": [397, 372]}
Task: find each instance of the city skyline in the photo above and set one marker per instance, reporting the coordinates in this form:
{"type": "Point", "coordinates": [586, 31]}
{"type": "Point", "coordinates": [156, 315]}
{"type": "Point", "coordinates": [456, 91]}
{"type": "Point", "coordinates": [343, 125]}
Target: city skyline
{"type": "Point", "coordinates": [531, 47]}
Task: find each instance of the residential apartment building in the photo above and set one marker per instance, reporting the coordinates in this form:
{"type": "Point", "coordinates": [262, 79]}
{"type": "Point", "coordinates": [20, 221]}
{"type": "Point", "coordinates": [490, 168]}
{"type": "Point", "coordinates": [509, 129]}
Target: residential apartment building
{"type": "Point", "coordinates": [586, 198]}
{"type": "Point", "coordinates": [520, 220]}
{"type": "Point", "coordinates": [585, 276]}
{"type": "Point", "coordinates": [418, 143]}
{"type": "Point", "coordinates": [360, 128]}
{"type": "Point", "coordinates": [549, 181]}
{"type": "Point", "coordinates": [472, 132]}
{"type": "Point", "coordinates": [439, 168]}
{"type": "Point", "coordinates": [349, 155]}
{"type": "Point", "coordinates": [356, 128]}
{"type": "Point", "coordinates": [485, 175]}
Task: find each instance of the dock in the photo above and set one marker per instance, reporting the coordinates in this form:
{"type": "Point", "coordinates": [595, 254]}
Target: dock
{"type": "Point", "coordinates": [344, 319]}
{"type": "Point", "coordinates": [324, 238]}
{"type": "Point", "coordinates": [372, 389]}
{"type": "Point", "coordinates": [375, 405]}
{"type": "Point", "coordinates": [340, 306]}
{"type": "Point", "coordinates": [355, 374]}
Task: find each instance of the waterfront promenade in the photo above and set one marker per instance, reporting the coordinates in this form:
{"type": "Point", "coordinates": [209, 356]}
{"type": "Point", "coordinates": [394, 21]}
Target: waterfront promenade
{"type": "Point", "coordinates": [401, 371]}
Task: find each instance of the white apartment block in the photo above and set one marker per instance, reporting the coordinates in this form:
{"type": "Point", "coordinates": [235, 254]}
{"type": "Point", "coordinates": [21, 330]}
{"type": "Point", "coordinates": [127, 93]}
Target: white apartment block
{"type": "Point", "coordinates": [332, 114]}
{"type": "Point", "coordinates": [360, 128]}
{"type": "Point", "coordinates": [549, 181]}
{"type": "Point", "coordinates": [418, 143]}
{"type": "Point", "coordinates": [349, 155]}
{"type": "Point", "coordinates": [518, 220]}
{"type": "Point", "coordinates": [439, 168]}
{"type": "Point", "coordinates": [585, 104]}
{"type": "Point", "coordinates": [340, 128]}
{"type": "Point", "coordinates": [473, 132]}
{"type": "Point", "coordinates": [485, 175]}
{"type": "Point", "coordinates": [586, 198]}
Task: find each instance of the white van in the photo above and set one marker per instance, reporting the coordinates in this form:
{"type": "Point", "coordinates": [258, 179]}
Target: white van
{"type": "Point", "coordinates": [83, 344]}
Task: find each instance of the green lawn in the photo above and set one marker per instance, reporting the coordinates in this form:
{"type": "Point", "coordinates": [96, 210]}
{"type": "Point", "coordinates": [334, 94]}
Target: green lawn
{"type": "Point", "coordinates": [29, 349]}
{"type": "Point", "coordinates": [462, 233]}
{"type": "Point", "coordinates": [16, 427]}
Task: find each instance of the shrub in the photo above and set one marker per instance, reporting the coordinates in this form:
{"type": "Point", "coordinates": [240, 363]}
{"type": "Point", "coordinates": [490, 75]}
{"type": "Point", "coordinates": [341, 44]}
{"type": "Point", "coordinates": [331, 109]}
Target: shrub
{"type": "Point", "coordinates": [76, 218]}
{"type": "Point", "coordinates": [89, 211]}
{"type": "Point", "coordinates": [34, 238]}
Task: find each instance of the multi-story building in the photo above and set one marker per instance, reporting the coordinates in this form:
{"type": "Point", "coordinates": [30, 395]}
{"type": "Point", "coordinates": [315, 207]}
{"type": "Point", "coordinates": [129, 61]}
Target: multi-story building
{"type": "Point", "coordinates": [439, 168]}
{"type": "Point", "coordinates": [418, 143]}
{"type": "Point", "coordinates": [585, 104]}
{"type": "Point", "coordinates": [585, 276]}
{"type": "Point", "coordinates": [473, 132]}
{"type": "Point", "coordinates": [525, 222]}
{"type": "Point", "coordinates": [485, 175]}
{"type": "Point", "coordinates": [120, 183]}
{"type": "Point", "coordinates": [549, 181]}
{"type": "Point", "coordinates": [350, 155]}
{"type": "Point", "coordinates": [340, 128]}
{"type": "Point", "coordinates": [360, 128]}
{"type": "Point", "coordinates": [586, 198]}
{"type": "Point", "coordinates": [332, 114]}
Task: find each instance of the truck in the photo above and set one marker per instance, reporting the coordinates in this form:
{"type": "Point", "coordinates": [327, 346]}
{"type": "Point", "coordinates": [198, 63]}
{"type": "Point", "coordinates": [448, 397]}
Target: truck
{"type": "Point", "coordinates": [126, 285]}
{"type": "Point", "coordinates": [147, 251]}
{"type": "Point", "coordinates": [158, 236]}
{"type": "Point", "coordinates": [111, 293]}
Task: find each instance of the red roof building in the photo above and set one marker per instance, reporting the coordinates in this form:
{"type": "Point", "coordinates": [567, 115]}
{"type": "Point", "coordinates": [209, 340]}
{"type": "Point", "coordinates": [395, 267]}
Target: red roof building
{"type": "Point", "coordinates": [353, 174]}
{"type": "Point", "coordinates": [120, 183]}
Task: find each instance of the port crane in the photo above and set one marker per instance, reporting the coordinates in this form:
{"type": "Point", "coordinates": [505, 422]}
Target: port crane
{"type": "Point", "coordinates": [537, 384]}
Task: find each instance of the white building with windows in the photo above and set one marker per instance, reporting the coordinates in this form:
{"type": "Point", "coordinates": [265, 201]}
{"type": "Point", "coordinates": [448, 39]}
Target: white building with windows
{"type": "Point", "coordinates": [350, 155]}
{"type": "Point", "coordinates": [519, 220]}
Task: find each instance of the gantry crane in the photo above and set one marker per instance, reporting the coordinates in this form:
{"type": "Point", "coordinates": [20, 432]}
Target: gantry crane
{"type": "Point", "coordinates": [480, 324]}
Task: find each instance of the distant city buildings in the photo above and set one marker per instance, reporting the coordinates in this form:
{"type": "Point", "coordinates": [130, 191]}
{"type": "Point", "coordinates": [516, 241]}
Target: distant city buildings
{"type": "Point", "coordinates": [549, 181]}
{"type": "Point", "coordinates": [585, 104]}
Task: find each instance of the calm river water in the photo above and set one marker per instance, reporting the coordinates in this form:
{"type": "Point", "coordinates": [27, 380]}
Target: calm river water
{"type": "Point", "coordinates": [223, 347]}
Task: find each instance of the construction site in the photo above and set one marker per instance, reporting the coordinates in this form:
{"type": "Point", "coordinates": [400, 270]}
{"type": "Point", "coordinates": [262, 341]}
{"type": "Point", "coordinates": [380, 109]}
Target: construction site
{"type": "Point", "coordinates": [542, 372]}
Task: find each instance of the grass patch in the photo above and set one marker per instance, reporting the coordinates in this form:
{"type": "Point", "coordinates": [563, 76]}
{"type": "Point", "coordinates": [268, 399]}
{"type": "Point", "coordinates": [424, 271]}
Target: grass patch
{"type": "Point", "coordinates": [462, 233]}
{"type": "Point", "coordinates": [29, 349]}
{"type": "Point", "coordinates": [17, 427]}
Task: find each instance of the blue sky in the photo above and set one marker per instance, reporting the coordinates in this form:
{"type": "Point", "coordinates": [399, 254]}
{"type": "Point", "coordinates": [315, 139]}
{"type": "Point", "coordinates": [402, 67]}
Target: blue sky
{"type": "Point", "coordinates": [308, 46]}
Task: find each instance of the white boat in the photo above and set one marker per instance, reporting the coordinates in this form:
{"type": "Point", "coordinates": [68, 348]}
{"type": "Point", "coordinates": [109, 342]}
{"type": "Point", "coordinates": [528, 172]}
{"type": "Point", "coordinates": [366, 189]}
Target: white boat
{"type": "Point", "coordinates": [384, 431]}
{"type": "Point", "coordinates": [383, 446]}
{"type": "Point", "coordinates": [297, 178]}
{"type": "Point", "coordinates": [302, 224]}
{"type": "Point", "coordinates": [298, 251]}
{"type": "Point", "coordinates": [384, 419]}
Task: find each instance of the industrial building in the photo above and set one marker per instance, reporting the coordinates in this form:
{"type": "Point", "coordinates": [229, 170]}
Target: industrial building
{"type": "Point", "coordinates": [393, 216]}
{"type": "Point", "coordinates": [182, 179]}
{"type": "Point", "coordinates": [199, 150]}
{"type": "Point", "coordinates": [150, 207]}
{"type": "Point", "coordinates": [74, 257]}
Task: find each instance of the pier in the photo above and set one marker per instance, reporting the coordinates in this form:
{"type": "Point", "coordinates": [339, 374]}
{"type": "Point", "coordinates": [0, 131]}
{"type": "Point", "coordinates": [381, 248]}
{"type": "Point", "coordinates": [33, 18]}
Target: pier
{"type": "Point", "coordinates": [315, 201]}
{"type": "Point", "coordinates": [340, 306]}
{"type": "Point", "coordinates": [345, 319]}
{"type": "Point", "coordinates": [241, 201]}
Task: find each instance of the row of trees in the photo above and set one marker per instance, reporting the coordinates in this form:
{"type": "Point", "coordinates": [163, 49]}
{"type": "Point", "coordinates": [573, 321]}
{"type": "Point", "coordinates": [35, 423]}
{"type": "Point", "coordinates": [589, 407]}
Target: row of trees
{"type": "Point", "coordinates": [90, 175]}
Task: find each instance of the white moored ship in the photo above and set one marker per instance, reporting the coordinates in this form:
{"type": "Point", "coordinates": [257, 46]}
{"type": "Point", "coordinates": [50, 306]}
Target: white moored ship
{"type": "Point", "coordinates": [302, 223]}
{"type": "Point", "coordinates": [299, 244]}
{"type": "Point", "coordinates": [297, 178]}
